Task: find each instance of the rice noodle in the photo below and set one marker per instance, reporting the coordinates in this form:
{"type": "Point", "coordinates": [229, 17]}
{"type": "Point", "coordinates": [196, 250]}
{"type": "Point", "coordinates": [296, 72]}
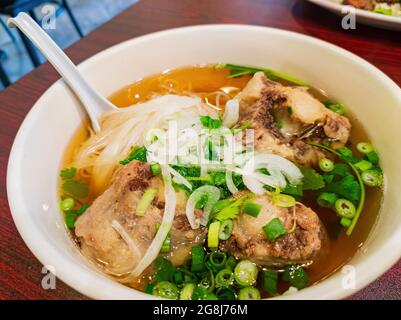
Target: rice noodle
{"type": "Point", "coordinates": [126, 237]}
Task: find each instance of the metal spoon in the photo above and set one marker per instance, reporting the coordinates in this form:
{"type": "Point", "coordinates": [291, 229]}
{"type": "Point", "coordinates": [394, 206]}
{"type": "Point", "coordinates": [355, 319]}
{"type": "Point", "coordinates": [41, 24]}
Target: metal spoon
{"type": "Point", "coordinates": [93, 102]}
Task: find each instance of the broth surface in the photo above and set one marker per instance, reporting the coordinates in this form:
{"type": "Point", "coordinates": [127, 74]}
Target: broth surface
{"type": "Point", "coordinates": [208, 83]}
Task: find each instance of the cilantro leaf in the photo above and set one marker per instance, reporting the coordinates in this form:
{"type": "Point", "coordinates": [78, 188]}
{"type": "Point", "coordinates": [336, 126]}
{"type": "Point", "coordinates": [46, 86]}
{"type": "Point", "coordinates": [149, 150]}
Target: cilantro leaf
{"type": "Point", "coordinates": [312, 180]}
{"type": "Point", "coordinates": [137, 153]}
{"type": "Point", "coordinates": [347, 188]}
{"type": "Point", "coordinates": [293, 190]}
{"type": "Point", "coordinates": [229, 212]}
{"type": "Point", "coordinates": [68, 173]}
{"type": "Point", "coordinates": [210, 123]}
{"type": "Point", "coordinates": [341, 169]}
{"type": "Point", "coordinates": [76, 188]}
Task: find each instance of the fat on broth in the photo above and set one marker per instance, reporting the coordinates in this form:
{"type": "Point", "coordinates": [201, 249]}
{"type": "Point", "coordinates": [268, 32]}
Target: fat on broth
{"type": "Point", "coordinates": [213, 85]}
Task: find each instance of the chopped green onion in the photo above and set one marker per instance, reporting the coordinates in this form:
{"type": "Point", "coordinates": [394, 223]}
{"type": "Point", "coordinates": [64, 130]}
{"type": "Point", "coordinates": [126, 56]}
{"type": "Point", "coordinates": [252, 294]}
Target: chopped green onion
{"type": "Point", "coordinates": [217, 260]}
{"type": "Point", "coordinates": [360, 182]}
{"type": "Point", "coordinates": [364, 147]}
{"type": "Point", "coordinates": [373, 157]}
{"type": "Point", "coordinates": [198, 255]}
{"type": "Point", "coordinates": [296, 276]}
{"type": "Point", "coordinates": [226, 228]}
{"type": "Point", "coordinates": [231, 263]}
{"type": "Point", "coordinates": [326, 165]}
{"type": "Point", "coordinates": [283, 200]}
{"type": "Point", "coordinates": [275, 229]}
{"type": "Point", "coordinates": [155, 169]}
{"type": "Point", "coordinates": [225, 294]}
{"type": "Point", "coordinates": [149, 288]}
{"type": "Point", "coordinates": [211, 296]}
{"type": "Point", "coordinates": [345, 222]}
{"type": "Point", "coordinates": [270, 279]}
{"type": "Point", "coordinates": [385, 11]}
{"type": "Point", "coordinates": [372, 178]}
{"type": "Point", "coordinates": [251, 208]}
{"type": "Point", "coordinates": [249, 293]}
{"type": "Point", "coordinates": [145, 201]}
{"type": "Point", "coordinates": [345, 208]}
{"type": "Point", "coordinates": [246, 273]}
{"type": "Point", "coordinates": [327, 199]}
{"type": "Point", "coordinates": [213, 235]}
{"type": "Point", "coordinates": [70, 221]}
{"type": "Point", "coordinates": [200, 293]}
{"type": "Point", "coordinates": [165, 289]}
{"type": "Point", "coordinates": [224, 278]}
{"type": "Point", "coordinates": [187, 291]}
{"type": "Point", "coordinates": [166, 244]}
{"type": "Point", "coordinates": [363, 165]}
{"type": "Point", "coordinates": [67, 204]}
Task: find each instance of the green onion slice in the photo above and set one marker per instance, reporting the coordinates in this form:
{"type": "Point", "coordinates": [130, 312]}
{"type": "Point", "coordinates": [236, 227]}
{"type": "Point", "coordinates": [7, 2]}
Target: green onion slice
{"type": "Point", "coordinates": [226, 228]}
{"type": "Point", "coordinates": [187, 291]}
{"type": "Point", "coordinates": [213, 235]}
{"type": "Point", "coordinates": [198, 255]}
{"type": "Point", "coordinates": [251, 208]}
{"type": "Point", "coordinates": [224, 278]}
{"type": "Point", "coordinates": [372, 178]}
{"type": "Point", "coordinates": [249, 293]}
{"type": "Point", "coordinates": [345, 208]}
{"type": "Point", "coordinates": [145, 201]}
{"type": "Point", "coordinates": [166, 289]}
{"type": "Point", "coordinates": [327, 199]}
{"type": "Point", "coordinates": [326, 165]}
{"type": "Point", "coordinates": [246, 273]}
{"type": "Point", "coordinates": [275, 229]}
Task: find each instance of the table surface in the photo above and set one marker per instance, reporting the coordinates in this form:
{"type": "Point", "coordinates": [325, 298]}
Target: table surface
{"type": "Point", "coordinates": [20, 271]}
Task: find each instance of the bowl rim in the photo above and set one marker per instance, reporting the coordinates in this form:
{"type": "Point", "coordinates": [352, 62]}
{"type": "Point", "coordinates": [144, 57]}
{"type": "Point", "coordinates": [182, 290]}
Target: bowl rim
{"type": "Point", "coordinates": [34, 239]}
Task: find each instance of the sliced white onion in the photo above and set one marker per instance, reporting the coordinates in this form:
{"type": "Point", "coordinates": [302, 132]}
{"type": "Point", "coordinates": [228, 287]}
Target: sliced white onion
{"type": "Point", "coordinates": [213, 195]}
{"type": "Point", "coordinates": [279, 168]}
{"type": "Point", "coordinates": [178, 178]}
{"type": "Point", "coordinates": [253, 185]}
{"type": "Point", "coordinates": [165, 226]}
{"type": "Point", "coordinates": [128, 240]}
{"type": "Point", "coordinates": [230, 183]}
{"type": "Point", "coordinates": [231, 113]}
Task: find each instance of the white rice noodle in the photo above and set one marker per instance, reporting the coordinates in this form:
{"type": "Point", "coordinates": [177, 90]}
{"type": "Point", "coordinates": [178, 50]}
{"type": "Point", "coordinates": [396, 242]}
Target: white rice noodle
{"type": "Point", "coordinates": [128, 240]}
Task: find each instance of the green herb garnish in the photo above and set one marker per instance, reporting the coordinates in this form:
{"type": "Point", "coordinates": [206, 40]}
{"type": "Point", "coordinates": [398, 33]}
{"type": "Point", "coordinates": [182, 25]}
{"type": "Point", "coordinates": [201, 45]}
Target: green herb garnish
{"type": "Point", "coordinates": [137, 153]}
{"type": "Point", "coordinates": [359, 181]}
{"type": "Point", "coordinates": [237, 70]}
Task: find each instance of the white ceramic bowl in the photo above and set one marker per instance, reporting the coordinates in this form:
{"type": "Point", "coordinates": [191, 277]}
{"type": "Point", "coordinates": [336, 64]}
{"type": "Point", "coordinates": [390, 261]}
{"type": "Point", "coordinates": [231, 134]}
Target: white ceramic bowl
{"type": "Point", "coordinates": [362, 16]}
{"type": "Point", "coordinates": [37, 151]}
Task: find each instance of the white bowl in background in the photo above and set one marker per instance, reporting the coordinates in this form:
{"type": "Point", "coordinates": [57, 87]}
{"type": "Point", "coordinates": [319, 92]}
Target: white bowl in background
{"type": "Point", "coordinates": [36, 155]}
{"type": "Point", "coordinates": [362, 16]}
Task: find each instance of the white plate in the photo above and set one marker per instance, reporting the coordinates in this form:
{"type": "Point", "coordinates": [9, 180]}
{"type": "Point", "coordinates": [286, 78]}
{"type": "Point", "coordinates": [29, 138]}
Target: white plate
{"type": "Point", "coordinates": [363, 16]}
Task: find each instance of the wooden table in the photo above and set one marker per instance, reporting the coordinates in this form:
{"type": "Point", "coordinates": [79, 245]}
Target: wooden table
{"type": "Point", "coordinates": [20, 272]}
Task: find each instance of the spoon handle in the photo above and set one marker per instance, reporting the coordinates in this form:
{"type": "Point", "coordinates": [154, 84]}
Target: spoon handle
{"type": "Point", "coordinates": [94, 103]}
